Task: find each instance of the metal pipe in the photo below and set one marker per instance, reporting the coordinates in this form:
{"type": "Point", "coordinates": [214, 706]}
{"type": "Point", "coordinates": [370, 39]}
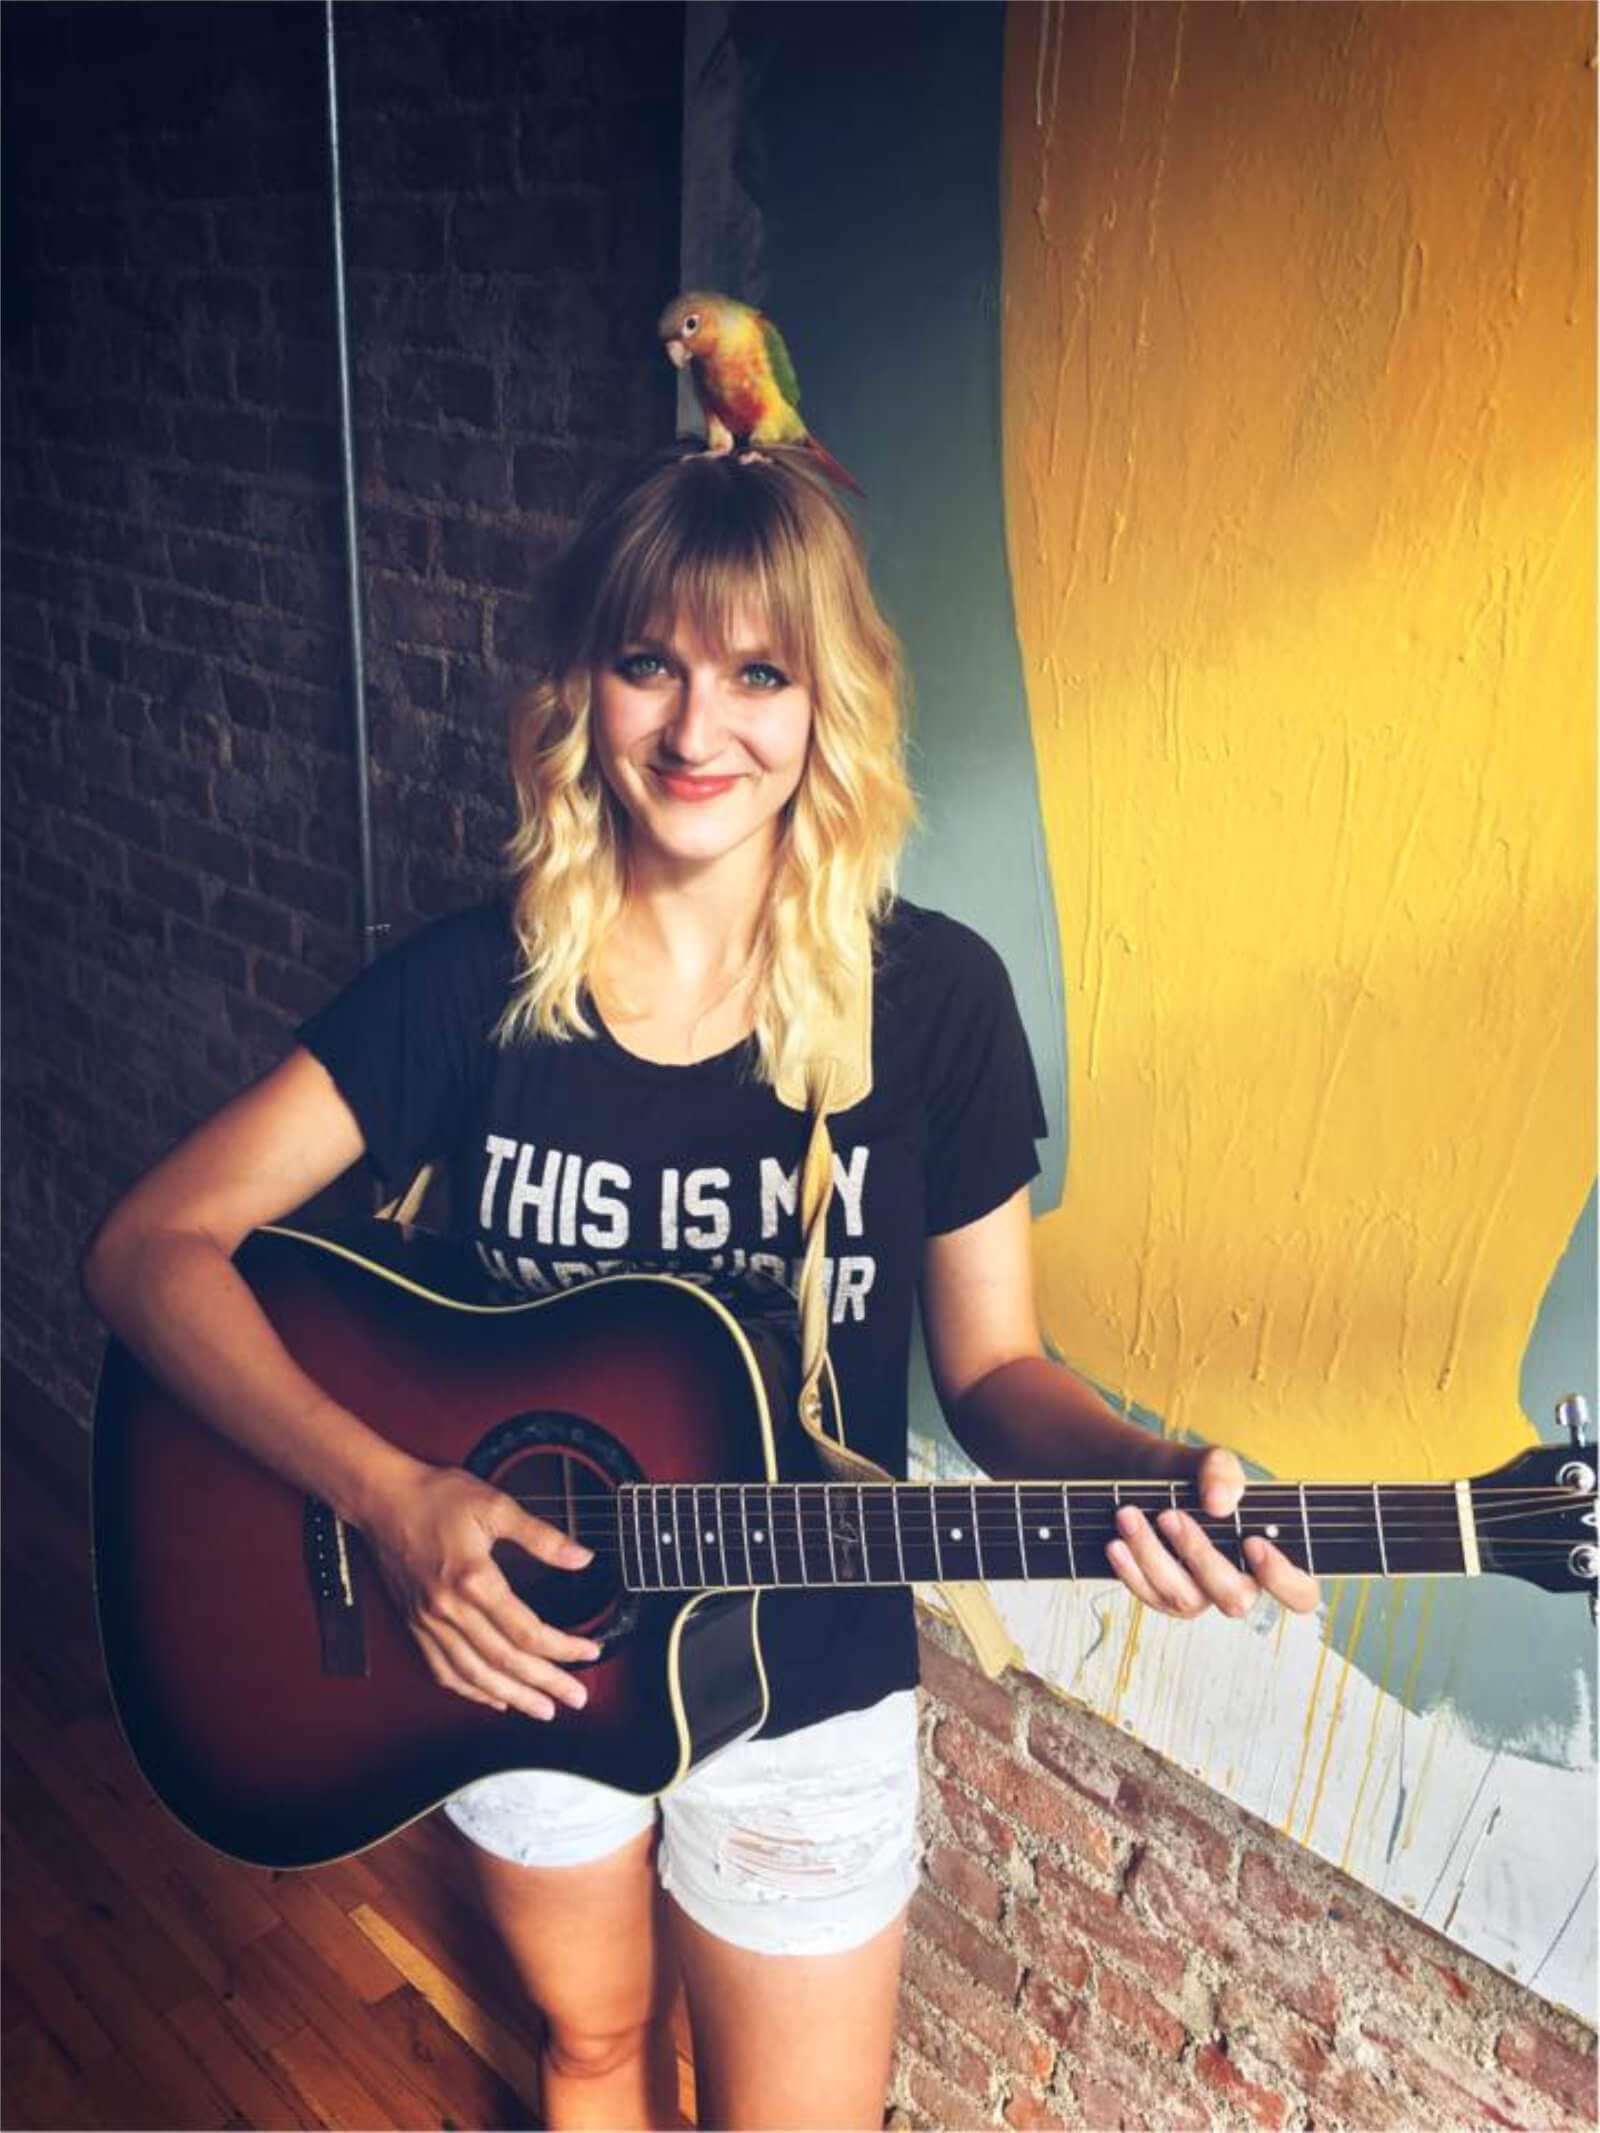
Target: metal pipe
{"type": "Point", "coordinates": [370, 925]}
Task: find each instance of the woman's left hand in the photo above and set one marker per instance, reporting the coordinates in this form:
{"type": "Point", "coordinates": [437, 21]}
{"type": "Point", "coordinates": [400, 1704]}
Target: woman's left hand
{"type": "Point", "coordinates": [1170, 1564]}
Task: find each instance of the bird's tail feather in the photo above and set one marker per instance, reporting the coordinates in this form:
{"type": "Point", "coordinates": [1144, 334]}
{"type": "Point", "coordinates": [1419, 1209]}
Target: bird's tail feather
{"type": "Point", "coordinates": [831, 467]}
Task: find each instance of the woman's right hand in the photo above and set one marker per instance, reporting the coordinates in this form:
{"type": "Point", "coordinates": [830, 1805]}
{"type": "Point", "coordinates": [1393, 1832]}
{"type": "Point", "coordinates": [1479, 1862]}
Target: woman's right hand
{"type": "Point", "coordinates": [433, 1535]}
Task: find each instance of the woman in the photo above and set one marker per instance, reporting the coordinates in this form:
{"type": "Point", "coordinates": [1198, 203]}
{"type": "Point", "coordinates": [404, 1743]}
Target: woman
{"type": "Point", "coordinates": [711, 801]}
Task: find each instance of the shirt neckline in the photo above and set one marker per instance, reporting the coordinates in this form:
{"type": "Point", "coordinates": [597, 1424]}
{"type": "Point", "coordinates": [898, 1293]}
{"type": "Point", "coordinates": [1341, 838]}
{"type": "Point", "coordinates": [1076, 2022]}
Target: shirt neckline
{"type": "Point", "coordinates": [721, 1065]}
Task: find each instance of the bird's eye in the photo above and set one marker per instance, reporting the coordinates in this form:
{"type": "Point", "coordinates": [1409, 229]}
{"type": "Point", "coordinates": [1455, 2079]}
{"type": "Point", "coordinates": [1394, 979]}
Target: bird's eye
{"type": "Point", "coordinates": [692, 323]}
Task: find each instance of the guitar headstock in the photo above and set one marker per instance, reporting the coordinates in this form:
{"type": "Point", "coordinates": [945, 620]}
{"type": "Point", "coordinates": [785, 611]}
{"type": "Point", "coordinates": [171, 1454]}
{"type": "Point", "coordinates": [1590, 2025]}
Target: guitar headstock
{"type": "Point", "coordinates": [1538, 1517]}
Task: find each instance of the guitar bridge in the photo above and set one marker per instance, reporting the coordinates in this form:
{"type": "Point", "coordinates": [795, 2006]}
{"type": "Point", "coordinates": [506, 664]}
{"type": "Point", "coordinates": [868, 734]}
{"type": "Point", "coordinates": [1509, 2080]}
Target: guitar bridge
{"type": "Point", "coordinates": [333, 1591]}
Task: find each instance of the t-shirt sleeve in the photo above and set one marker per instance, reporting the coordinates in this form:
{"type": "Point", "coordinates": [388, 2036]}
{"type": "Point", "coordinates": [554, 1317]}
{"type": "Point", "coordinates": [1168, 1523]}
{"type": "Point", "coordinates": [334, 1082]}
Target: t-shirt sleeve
{"type": "Point", "coordinates": [984, 1109]}
{"type": "Point", "coordinates": [407, 1040]}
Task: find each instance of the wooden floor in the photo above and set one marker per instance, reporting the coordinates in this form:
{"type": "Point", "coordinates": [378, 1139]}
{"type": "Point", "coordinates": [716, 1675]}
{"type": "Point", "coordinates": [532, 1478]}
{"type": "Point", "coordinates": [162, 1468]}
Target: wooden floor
{"type": "Point", "coordinates": [148, 1982]}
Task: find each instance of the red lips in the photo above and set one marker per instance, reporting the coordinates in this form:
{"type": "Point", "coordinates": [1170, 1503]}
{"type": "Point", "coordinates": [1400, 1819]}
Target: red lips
{"type": "Point", "coordinates": [682, 786]}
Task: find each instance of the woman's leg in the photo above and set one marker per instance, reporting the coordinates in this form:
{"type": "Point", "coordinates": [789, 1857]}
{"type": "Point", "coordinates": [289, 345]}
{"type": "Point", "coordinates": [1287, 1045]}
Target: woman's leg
{"type": "Point", "coordinates": [791, 2040]}
{"type": "Point", "coordinates": [588, 1944]}
{"type": "Point", "coordinates": [790, 1864]}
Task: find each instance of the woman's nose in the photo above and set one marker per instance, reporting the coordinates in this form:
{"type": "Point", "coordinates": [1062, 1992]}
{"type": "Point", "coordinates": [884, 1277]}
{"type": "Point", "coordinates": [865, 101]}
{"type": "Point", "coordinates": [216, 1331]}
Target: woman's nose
{"type": "Point", "coordinates": [694, 733]}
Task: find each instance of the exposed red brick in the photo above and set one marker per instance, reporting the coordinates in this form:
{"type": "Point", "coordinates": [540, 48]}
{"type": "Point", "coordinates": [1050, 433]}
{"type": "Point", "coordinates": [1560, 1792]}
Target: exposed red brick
{"type": "Point", "coordinates": [1266, 1890]}
{"type": "Point", "coordinates": [973, 1824]}
{"type": "Point", "coordinates": [960, 1686]}
{"type": "Point", "coordinates": [1054, 2004]}
{"type": "Point", "coordinates": [1117, 2088]}
{"type": "Point", "coordinates": [1028, 2110]}
{"type": "Point", "coordinates": [1265, 2106]}
{"type": "Point", "coordinates": [1189, 1913]}
{"type": "Point", "coordinates": [1057, 1743]}
{"type": "Point", "coordinates": [1556, 2069]}
{"type": "Point", "coordinates": [1137, 2010]}
{"type": "Point", "coordinates": [1103, 1921]}
{"type": "Point", "coordinates": [1173, 1829]}
{"type": "Point", "coordinates": [1010, 2041]}
{"type": "Point", "coordinates": [1450, 2082]}
{"type": "Point", "coordinates": [947, 2106]}
{"type": "Point", "coordinates": [1037, 1802]}
{"type": "Point", "coordinates": [965, 1881]}
{"type": "Point", "coordinates": [922, 2030]}
{"type": "Point", "coordinates": [1455, 1985]}
{"type": "Point", "coordinates": [995, 1968]}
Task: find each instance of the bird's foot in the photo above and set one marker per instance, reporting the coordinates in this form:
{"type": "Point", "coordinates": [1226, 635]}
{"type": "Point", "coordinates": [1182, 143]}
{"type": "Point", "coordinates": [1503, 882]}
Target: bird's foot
{"type": "Point", "coordinates": [750, 457]}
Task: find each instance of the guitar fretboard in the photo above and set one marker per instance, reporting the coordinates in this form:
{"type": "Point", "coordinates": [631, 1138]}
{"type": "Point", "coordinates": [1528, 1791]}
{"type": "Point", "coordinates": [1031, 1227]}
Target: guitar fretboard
{"type": "Point", "coordinates": [703, 1535]}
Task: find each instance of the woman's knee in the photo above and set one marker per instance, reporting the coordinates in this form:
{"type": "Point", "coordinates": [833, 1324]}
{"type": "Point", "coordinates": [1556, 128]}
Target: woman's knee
{"type": "Point", "coordinates": [581, 2052]}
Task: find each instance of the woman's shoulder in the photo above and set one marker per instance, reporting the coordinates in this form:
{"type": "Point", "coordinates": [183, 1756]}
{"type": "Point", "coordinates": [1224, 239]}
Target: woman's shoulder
{"type": "Point", "coordinates": [918, 948]}
{"type": "Point", "coordinates": [478, 936]}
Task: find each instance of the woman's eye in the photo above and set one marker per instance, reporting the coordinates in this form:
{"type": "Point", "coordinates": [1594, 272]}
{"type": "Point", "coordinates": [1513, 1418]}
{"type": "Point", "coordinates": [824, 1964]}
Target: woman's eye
{"type": "Point", "coordinates": [638, 666]}
{"type": "Point", "coordinates": [761, 675]}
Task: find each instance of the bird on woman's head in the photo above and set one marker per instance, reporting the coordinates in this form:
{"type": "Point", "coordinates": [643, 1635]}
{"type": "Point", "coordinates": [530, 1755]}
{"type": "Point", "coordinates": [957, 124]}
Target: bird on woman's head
{"type": "Point", "coordinates": [742, 375]}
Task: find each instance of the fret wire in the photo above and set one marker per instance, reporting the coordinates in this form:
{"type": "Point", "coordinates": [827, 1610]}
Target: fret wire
{"type": "Point", "coordinates": [722, 1537]}
{"type": "Point", "coordinates": [1066, 1520]}
{"type": "Point", "coordinates": [699, 1538]}
{"type": "Point", "coordinates": [827, 1527]}
{"type": "Point", "coordinates": [677, 1535]}
{"type": "Point", "coordinates": [977, 1537]}
{"type": "Point", "coordinates": [1305, 1528]}
{"type": "Point", "coordinates": [744, 1535]}
{"type": "Point", "coordinates": [655, 1537]}
{"type": "Point", "coordinates": [800, 1536]}
{"type": "Point", "coordinates": [622, 1537]}
{"type": "Point", "coordinates": [1022, 1538]}
{"type": "Point", "coordinates": [638, 1535]}
{"type": "Point", "coordinates": [933, 1527]}
{"type": "Point", "coordinates": [765, 1507]}
{"type": "Point", "coordinates": [1377, 1520]}
{"type": "Point", "coordinates": [899, 1536]}
{"type": "Point", "coordinates": [861, 1522]}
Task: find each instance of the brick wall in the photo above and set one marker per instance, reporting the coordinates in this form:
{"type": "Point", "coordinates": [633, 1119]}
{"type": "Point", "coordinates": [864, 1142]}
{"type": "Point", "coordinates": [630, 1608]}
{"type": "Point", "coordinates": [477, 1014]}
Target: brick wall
{"type": "Point", "coordinates": [179, 857]}
{"type": "Point", "coordinates": [1101, 1941]}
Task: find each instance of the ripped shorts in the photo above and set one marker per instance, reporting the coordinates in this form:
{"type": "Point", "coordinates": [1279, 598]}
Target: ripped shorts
{"type": "Point", "coordinates": [801, 1846]}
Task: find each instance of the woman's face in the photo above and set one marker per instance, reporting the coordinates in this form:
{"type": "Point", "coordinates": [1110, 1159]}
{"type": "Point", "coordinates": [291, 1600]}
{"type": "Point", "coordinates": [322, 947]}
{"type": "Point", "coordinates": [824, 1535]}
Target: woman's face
{"type": "Point", "coordinates": [703, 748]}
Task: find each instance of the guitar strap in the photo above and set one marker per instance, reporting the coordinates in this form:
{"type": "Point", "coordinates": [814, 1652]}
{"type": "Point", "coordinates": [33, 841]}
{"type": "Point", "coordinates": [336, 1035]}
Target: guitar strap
{"type": "Point", "coordinates": [840, 1077]}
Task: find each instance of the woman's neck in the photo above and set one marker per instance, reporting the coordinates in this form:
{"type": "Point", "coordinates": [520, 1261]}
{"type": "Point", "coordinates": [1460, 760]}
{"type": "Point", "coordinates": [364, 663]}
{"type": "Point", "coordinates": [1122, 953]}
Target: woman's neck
{"type": "Point", "coordinates": [676, 975]}
{"type": "Point", "coordinates": [694, 924]}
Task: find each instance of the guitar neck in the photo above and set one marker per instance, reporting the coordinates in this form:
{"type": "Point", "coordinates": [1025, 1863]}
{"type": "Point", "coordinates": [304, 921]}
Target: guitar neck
{"type": "Point", "coordinates": [706, 1536]}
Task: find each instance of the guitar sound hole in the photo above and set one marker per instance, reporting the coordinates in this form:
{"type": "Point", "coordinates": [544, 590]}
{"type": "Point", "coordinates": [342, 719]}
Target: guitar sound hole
{"type": "Point", "coordinates": [567, 1491]}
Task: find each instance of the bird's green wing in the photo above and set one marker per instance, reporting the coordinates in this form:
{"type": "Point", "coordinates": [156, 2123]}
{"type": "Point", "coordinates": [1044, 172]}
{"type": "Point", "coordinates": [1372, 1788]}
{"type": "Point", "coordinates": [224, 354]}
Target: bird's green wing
{"type": "Point", "coordinates": [782, 369]}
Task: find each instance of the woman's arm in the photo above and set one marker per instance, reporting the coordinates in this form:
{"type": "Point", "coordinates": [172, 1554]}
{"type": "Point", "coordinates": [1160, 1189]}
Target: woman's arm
{"type": "Point", "coordinates": [159, 1270]}
{"type": "Point", "coordinates": [1022, 1417]}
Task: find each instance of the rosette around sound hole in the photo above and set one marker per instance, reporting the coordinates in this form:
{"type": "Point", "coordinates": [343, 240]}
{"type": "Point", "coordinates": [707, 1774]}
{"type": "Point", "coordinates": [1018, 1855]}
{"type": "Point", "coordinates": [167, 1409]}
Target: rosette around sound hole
{"type": "Point", "coordinates": [565, 1470]}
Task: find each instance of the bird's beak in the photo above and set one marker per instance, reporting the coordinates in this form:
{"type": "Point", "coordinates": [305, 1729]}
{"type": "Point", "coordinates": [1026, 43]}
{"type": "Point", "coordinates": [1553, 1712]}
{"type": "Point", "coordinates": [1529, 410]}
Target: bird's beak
{"type": "Point", "coordinates": [677, 354]}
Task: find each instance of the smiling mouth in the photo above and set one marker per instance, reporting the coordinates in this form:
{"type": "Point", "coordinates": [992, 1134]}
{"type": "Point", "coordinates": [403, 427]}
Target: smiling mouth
{"type": "Point", "coordinates": [681, 785]}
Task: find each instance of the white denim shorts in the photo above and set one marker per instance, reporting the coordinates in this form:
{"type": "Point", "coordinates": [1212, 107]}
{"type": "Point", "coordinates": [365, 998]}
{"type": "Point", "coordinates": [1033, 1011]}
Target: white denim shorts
{"type": "Point", "coordinates": [801, 1846]}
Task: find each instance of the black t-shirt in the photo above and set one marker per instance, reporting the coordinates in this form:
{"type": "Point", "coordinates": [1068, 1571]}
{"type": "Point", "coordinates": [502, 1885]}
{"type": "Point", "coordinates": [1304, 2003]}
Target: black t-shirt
{"type": "Point", "coordinates": [571, 1159]}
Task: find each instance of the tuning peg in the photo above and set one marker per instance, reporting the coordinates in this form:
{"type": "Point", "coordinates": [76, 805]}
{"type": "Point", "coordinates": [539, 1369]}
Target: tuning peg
{"type": "Point", "coordinates": [1572, 1414]}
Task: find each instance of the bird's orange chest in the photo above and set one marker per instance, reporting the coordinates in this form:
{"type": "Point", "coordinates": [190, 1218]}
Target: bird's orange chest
{"type": "Point", "coordinates": [739, 386]}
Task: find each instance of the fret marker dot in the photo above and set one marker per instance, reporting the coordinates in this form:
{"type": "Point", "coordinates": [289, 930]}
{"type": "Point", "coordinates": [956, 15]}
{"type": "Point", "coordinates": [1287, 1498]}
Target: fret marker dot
{"type": "Point", "coordinates": [955, 1533]}
{"type": "Point", "coordinates": [666, 1540]}
{"type": "Point", "coordinates": [1271, 1532]}
{"type": "Point", "coordinates": [1044, 1533]}
{"type": "Point", "coordinates": [759, 1536]}
{"type": "Point", "coordinates": [710, 1538]}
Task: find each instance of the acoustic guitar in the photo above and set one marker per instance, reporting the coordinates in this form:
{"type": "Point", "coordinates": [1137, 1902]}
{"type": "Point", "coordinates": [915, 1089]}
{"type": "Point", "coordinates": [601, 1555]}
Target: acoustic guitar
{"type": "Point", "coordinates": [274, 1698]}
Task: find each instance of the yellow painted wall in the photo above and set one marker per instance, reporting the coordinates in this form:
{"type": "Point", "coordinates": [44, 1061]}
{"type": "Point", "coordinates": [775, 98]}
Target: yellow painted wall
{"type": "Point", "coordinates": [1299, 439]}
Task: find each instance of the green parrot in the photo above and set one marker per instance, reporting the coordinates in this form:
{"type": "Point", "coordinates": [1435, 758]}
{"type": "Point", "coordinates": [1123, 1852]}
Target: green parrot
{"type": "Point", "coordinates": [742, 376]}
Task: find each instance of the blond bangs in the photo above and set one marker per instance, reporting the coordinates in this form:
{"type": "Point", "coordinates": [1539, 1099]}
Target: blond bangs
{"type": "Point", "coordinates": [719, 547]}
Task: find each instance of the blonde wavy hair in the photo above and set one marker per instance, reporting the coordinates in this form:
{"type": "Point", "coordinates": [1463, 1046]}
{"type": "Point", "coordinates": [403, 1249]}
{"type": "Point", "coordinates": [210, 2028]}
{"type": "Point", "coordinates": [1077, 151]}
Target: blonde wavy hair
{"type": "Point", "coordinates": [696, 539]}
